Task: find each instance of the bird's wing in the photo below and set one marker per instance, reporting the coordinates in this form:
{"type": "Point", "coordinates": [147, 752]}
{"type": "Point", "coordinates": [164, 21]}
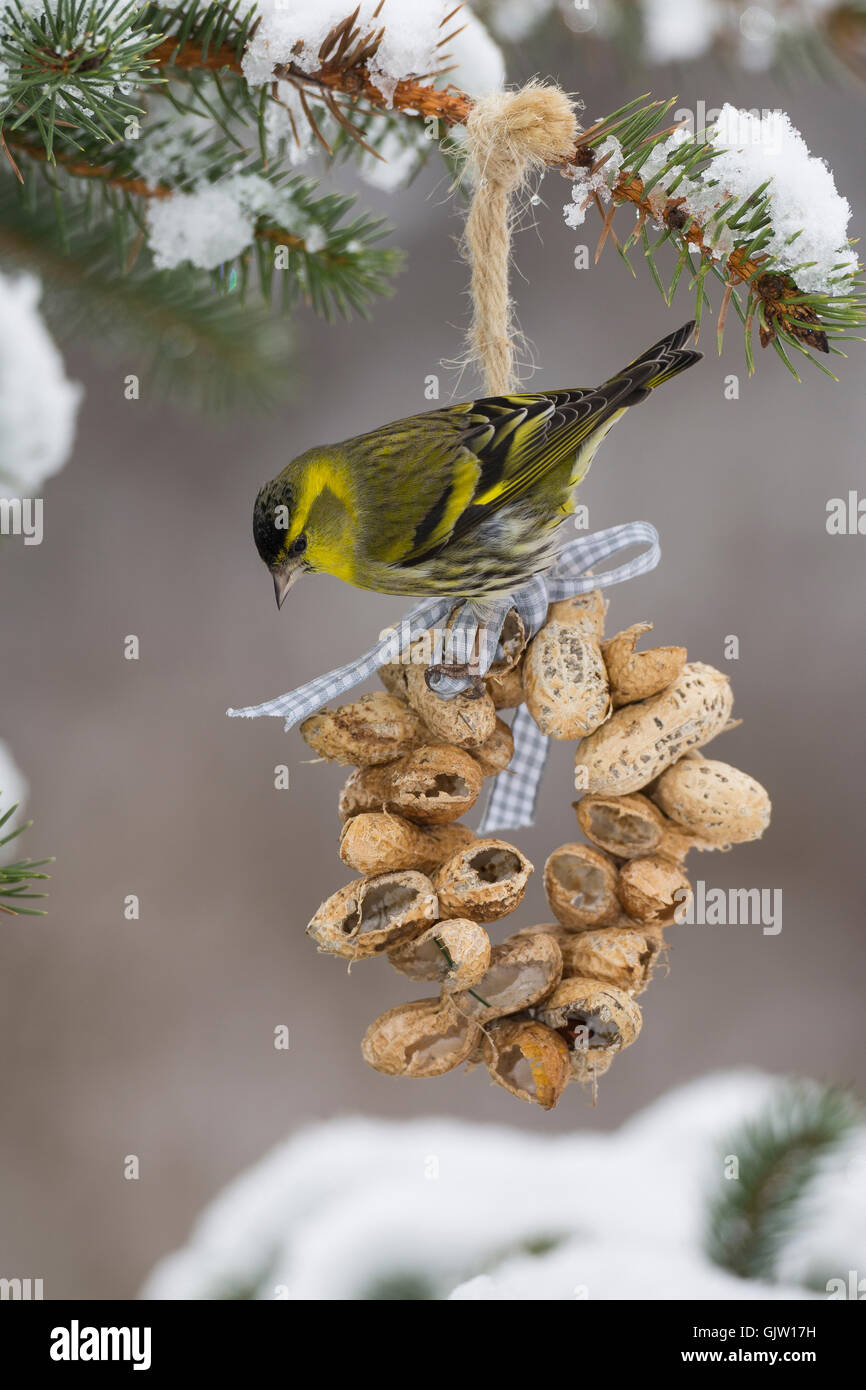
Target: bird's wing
{"type": "Point", "coordinates": [517, 439]}
{"type": "Point", "coordinates": [514, 441]}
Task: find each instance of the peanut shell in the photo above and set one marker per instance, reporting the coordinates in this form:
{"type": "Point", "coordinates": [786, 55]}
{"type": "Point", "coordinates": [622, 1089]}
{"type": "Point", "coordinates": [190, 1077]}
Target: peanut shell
{"type": "Point", "coordinates": [375, 728]}
{"type": "Point", "coordinates": [580, 883]}
{"type": "Point", "coordinates": [639, 741]}
{"type": "Point", "coordinates": [632, 826]}
{"type": "Point", "coordinates": [425, 1037]}
{"type": "Point", "coordinates": [432, 785]}
{"type": "Point", "coordinates": [637, 675]}
{"type": "Point", "coordinates": [565, 681]}
{"type": "Point", "coordinates": [522, 970]}
{"type": "Point", "coordinates": [528, 1059]}
{"type": "Point", "coordinates": [591, 1016]}
{"type": "Point", "coordinates": [377, 842]}
{"type": "Point", "coordinates": [484, 880]}
{"type": "Point", "coordinates": [652, 890]}
{"type": "Point", "coordinates": [711, 799]}
{"type": "Point", "coordinates": [374, 914]}
{"type": "Point", "coordinates": [621, 956]}
{"type": "Point", "coordinates": [584, 613]}
{"type": "Point", "coordinates": [512, 645]}
{"type": "Point", "coordinates": [506, 689]}
{"type": "Point", "coordinates": [466, 720]}
{"type": "Point", "coordinates": [453, 954]}
{"type": "Point", "coordinates": [496, 752]}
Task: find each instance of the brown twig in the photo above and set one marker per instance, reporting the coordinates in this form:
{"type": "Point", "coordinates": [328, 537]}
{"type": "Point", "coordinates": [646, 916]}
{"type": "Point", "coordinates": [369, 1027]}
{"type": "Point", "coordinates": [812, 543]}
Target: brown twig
{"type": "Point", "coordinates": [80, 168]}
{"type": "Point", "coordinates": [141, 188]}
{"type": "Point", "coordinates": [4, 148]}
{"type": "Point", "coordinates": [774, 290]}
{"type": "Point", "coordinates": [446, 105]}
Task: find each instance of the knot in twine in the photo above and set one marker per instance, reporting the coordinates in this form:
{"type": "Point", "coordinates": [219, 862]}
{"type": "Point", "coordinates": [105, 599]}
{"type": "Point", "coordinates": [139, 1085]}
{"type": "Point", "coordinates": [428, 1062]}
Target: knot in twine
{"type": "Point", "coordinates": [509, 137]}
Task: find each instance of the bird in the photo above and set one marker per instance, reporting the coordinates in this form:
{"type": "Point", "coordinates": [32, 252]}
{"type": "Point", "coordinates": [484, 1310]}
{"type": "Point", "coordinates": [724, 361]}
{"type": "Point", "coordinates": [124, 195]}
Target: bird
{"type": "Point", "coordinates": [466, 500]}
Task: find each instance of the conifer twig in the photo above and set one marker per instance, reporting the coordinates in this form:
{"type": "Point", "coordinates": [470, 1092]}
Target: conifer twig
{"type": "Point", "coordinates": [779, 1155]}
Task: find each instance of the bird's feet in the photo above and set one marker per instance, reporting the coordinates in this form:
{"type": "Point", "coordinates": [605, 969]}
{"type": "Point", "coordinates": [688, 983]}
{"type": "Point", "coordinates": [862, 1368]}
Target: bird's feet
{"type": "Point", "coordinates": [459, 670]}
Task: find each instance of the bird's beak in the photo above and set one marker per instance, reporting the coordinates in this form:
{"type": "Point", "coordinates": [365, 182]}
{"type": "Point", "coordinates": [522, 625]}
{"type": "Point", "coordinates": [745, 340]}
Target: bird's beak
{"type": "Point", "coordinates": [284, 578]}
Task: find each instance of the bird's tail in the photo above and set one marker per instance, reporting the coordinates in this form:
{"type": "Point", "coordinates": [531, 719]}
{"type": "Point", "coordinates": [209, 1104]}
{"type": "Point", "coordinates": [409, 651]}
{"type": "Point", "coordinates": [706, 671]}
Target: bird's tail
{"type": "Point", "coordinates": [665, 359]}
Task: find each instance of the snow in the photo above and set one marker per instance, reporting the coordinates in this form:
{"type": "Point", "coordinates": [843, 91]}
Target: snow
{"type": "Point", "coordinates": [354, 1204]}
{"type": "Point", "coordinates": [474, 61]}
{"type": "Point", "coordinates": [513, 20]}
{"type": "Point", "coordinates": [38, 402]}
{"type": "Point", "coordinates": [173, 146]}
{"type": "Point", "coordinates": [678, 30]}
{"type": "Point", "coordinates": [413, 31]}
{"type": "Point", "coordinates": [400, 159]}
{"type": "Point", "coordinates": [287, 130]}
{"type": "Point", "coordinates": [13, 791]}
{"type": "Point", "coordinates": [586, 183]}
{"type": "Point", "coordinates": [216, 221]}
{"type": "Point", "coordinates": [599, 1271]}
{"type": "Point", "coordinates": [803, 192]}
{"type": "Point", "coordinates": [207, 227]}
{"type": "Point", "coordinates": [809, 217]}
{"type": "Point", "coordinates": [205, 222]}
{"type": "Point", "coordinates": [837, 1222]}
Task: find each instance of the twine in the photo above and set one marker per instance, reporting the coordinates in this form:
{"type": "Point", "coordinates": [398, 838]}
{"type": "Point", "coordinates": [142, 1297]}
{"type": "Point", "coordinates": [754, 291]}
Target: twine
{"type": "Point", "coordinates": [509, 137]}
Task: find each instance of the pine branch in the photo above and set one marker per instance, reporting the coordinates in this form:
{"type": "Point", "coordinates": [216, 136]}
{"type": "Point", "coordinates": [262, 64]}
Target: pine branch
{"type": "Point", "coordinates": [785, 314]}
{"type": "Point", "coordinates": [200, 47]}
{"type": "Point", "coordinates": [781, 1155]}
{"type": "Point", "coordinates": [127, 184]}
{"type": "Point", "coordinates": [180, 331]}
{"type": "Point", "coordinates": [608, 162]}
{"type": "Point", "coordinates": [74, 65]}
{"type": "Point", "coordinates": [344, 70]}
{"type": "Point", "coordinates": [334, 264]}
{"type": "Point", "coordinates": [17, 880]}
{"type": "Point", "coordinates": [200, 35]}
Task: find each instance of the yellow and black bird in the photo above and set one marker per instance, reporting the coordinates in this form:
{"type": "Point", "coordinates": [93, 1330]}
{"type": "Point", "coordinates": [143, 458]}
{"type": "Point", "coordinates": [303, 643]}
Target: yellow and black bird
{"type": "Point", "coordinates": [466, 500]}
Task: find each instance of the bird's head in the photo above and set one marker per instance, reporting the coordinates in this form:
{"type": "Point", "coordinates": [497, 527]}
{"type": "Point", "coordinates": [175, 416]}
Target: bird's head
{"type": "Point", "coordinates": [301, 521]}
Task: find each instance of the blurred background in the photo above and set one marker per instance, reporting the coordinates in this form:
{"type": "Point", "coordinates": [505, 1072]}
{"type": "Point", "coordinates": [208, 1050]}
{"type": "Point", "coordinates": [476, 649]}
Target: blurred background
{"type": "Point", "coordinates": [154, 1037]}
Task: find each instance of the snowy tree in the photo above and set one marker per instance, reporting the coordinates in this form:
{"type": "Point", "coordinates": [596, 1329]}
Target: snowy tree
{"type": "Point", "coordinates": [154, 154]}
{"type": "Point", "coordinates": [736, 1186]}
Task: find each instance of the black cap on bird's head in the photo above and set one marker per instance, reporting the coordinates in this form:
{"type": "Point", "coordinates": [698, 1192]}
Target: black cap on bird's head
{"type": "Point", "coordinates": [271, 524]}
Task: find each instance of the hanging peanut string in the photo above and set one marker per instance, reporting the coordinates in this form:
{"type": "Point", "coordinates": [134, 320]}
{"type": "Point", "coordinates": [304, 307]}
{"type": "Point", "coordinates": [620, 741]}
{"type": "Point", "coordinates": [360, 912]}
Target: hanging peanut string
{"type": "Point", "coordinates": [510, 136]}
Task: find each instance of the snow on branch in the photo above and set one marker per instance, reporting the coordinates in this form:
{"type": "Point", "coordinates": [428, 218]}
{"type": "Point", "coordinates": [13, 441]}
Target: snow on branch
{"type": "Point", "coordinates": [743, 201]}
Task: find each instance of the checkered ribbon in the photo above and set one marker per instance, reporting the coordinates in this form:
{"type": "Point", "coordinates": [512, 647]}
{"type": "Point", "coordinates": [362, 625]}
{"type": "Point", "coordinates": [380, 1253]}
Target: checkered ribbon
{"type": "Point", "coordinates": [511, 802]}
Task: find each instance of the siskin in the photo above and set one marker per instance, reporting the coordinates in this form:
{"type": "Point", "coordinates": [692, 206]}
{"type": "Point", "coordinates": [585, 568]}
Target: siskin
{"type": "Point", "coordinates": [466, 500]}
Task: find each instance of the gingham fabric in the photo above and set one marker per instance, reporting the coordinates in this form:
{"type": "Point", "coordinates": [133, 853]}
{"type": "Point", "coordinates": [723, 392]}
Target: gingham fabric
{"type": "Point", "coordinates": [512, 798]}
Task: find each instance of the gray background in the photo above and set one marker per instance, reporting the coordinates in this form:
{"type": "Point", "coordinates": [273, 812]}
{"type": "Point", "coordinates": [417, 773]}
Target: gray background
{"type": "Point", "coordinates": [155, 1037]}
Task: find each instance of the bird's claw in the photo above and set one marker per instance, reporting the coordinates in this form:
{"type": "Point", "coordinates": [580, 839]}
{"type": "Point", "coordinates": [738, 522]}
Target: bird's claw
{"type": "Point", "coordinates": [460, 671]}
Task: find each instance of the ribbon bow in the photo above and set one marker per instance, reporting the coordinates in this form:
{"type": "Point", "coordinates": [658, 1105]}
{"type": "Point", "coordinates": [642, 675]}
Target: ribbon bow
{"type": "Point", "coordinates": [512, 798]}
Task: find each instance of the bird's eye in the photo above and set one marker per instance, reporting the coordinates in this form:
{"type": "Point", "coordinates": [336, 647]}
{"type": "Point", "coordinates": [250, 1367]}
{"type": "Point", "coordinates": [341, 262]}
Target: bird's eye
{"type": "Point", "coordinates": [298, 546]}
